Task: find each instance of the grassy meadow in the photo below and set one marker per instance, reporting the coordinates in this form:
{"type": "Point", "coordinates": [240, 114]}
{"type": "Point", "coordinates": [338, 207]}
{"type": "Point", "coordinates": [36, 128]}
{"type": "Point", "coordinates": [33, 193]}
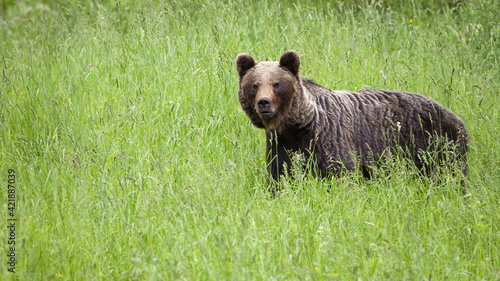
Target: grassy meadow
{"type": "Point", "coordinates": [133, 161]}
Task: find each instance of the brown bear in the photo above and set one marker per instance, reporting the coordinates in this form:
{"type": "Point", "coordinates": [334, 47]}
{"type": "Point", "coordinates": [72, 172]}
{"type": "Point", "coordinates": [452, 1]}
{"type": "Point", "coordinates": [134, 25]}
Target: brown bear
{"type": "Point", "coordinates": [343, 130]}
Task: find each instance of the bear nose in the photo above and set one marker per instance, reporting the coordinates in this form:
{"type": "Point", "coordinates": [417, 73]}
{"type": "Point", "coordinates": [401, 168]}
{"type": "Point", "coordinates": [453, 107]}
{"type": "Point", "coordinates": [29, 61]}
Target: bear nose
{"type": "Point", "coordinates": [264, 103]}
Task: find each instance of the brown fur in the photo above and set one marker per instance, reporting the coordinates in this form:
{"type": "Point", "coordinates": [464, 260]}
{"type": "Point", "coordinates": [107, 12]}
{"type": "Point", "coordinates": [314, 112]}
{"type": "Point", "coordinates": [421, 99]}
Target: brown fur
{"type": "Point", "coordinates": [340, 129]}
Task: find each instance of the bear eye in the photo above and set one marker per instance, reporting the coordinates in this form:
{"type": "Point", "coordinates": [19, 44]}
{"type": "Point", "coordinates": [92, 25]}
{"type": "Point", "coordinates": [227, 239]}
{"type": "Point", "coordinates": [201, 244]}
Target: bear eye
{"type": "Point", "coordinates": [255, 86]}
{"type": "Point", "coordinates": [276, 85]}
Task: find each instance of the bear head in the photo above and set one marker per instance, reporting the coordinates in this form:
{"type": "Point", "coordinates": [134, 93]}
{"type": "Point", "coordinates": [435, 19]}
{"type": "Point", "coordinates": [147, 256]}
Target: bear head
{"type": "Point", "coordinates": [267, 90]}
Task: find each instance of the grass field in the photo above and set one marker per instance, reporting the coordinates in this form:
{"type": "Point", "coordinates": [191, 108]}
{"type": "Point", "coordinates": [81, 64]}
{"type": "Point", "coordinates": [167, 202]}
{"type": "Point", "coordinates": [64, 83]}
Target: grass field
{"type": "Point", "coordinates": [133, 161]}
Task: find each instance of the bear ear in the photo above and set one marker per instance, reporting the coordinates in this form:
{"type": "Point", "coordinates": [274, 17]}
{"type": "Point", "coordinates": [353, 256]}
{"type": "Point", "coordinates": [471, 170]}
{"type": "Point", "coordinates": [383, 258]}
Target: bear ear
{"type": "Point", "coordinates": [291, 61]}
{"type": "Point", "coordinates": [243, 63]}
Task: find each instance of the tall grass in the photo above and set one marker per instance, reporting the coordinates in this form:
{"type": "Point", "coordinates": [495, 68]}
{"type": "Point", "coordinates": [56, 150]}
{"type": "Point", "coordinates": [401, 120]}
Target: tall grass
{"type": "Point", "coordinates": [134, 162]}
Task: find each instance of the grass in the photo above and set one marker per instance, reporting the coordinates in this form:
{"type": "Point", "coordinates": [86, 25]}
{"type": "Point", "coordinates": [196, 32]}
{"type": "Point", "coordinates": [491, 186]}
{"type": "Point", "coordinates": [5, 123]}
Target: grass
{"type": "Point", "coordinates": [134, 162]}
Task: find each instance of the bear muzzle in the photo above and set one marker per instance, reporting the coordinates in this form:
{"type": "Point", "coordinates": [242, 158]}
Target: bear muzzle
{"type": "Point", "coordinates": [264, 107]}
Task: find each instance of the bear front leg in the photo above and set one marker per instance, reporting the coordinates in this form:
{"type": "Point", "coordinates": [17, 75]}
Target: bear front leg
{"type": "Point", "coordinates": [277, 158]}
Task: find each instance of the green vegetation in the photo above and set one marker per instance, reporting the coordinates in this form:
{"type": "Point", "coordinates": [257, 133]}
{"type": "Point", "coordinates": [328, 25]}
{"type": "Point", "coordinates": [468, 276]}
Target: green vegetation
{"type": "Point", "coordinates": [134, 162]}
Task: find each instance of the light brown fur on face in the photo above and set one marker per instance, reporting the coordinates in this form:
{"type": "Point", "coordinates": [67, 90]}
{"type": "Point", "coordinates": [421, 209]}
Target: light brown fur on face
{"type": "Point", "coordinates": [270, 83]}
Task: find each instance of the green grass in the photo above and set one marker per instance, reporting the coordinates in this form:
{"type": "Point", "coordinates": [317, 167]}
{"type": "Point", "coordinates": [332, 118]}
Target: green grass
{"type": "Point", "coordinates": [134, 162]}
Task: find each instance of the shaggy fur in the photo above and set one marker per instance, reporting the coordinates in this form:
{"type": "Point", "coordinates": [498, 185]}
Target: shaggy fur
{"type": "Point", "coordinates": [340, 129]}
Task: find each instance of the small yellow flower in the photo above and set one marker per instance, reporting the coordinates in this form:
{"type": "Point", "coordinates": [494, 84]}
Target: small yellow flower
{"type": "Point", "coordinates": [416, 26]}
{"type": "Point", "coordinates": [336, 274]}
{"type": "Point", "coordinates": [113, 97]}
{"type": "Point", "coordinates": [21, 93]}
{"type": "Point", "coordinates": [60, 275]}
{"type": "Point", "coordinates": [46, 208]}
{"type": "Point", "coordinates": [316, 268]}
{"type": "Point", "coordinates": [411, 20]}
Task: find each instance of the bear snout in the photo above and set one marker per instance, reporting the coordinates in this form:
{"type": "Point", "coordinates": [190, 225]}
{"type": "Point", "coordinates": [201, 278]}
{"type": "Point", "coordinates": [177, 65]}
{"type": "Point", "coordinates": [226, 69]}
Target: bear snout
{"type": "Point", "coordinates": [264, 106]}
{"type": "Point", "coordinates": [264, 103]}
